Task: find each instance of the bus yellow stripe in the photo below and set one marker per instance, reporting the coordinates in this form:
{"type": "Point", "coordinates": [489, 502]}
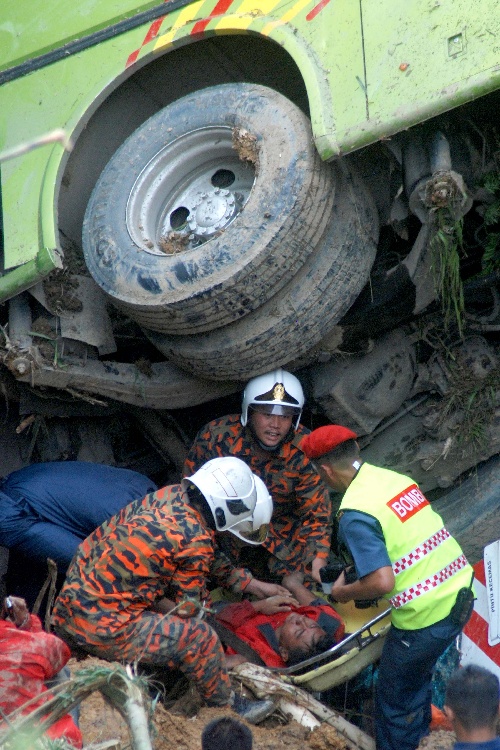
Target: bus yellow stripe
{"type": "Point", "coordinates": [186, 15]}
{"type": "Point", "coordinates": [294, 10]}
{"type": "Point", "coordinates": [247, 12]}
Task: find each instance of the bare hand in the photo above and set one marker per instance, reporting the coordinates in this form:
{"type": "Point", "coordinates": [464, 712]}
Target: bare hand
{"type": "Point", "coordinates": [294, 582]}
{"type": "Point", "coordinates": [317, 564]}
{"type": "Point", "coordinates": [274, 604]}
{"type": "Point", "coordinates": [262, 590]}
{"type": "Point", "coordinates": [338, 592]}
{"type": "Point", "coordinates": [372, 586]}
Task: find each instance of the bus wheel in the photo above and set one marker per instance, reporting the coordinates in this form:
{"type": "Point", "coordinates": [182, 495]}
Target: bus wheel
{"type": "Point", "coordinates": [284, 329]}
{"type": "Point", "coordinates": [208, 209]}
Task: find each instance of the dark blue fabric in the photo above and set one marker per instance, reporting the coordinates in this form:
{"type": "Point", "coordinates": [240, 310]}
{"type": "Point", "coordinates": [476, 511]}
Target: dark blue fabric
{"type": "Point", "coordinates": [16, 519]}
{"type": "Point", "coordinates": [404, 683]}
{"type": "Point", "coordinates": [363, 536]}
{"type": "Point", "coordinates": [45, 540]}
{"type": "Point", "coordinates": [47, 509]}
{"type": "Point", "coordinates": [490, 745]}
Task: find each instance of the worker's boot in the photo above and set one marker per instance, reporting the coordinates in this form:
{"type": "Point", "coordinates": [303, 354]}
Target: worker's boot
{"type": "Point", "coordinates": [252, 711]}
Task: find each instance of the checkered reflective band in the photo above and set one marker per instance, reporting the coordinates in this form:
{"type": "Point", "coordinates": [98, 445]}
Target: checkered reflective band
{"type": "Point", "coordinates": [421, 551]}
{"type": "Point", "coordinates": [413, 592]}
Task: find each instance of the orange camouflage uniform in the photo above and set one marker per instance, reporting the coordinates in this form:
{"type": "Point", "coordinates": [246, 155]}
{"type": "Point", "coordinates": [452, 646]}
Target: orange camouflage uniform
{"type": "Point", "coordinates": [155, 547]}
{"type": "Point", "coordinates": [301, 525]}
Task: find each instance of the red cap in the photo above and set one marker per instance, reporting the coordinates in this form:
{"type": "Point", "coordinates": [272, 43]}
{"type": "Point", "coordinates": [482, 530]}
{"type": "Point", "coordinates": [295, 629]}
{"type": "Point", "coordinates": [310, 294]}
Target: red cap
{"type": "Point", "coordinates": [323, 440]}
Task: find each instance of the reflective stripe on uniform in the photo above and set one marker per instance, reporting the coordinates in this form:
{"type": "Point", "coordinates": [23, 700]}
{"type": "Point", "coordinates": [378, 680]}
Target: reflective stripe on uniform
{"type": "Point", "coordinates": [413, 592]}
{"type": "Point", "coordinates": [421, 551]}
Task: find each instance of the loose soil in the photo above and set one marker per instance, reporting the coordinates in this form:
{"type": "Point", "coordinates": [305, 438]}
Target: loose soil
{"type": "Point", "coordinates": [176, 728]}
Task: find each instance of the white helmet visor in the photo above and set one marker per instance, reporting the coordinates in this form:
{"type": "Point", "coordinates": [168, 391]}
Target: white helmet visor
{"type": "Point", "coordinates": [282, 410]}
{"type": "Point", "coordinates": [254, 530]}
{"type": "Point", "coordinates": [277, 390]}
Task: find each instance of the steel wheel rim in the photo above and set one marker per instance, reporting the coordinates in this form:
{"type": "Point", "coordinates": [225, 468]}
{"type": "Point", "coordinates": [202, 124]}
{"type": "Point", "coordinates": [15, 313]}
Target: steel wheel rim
{"type": "Point", "coordinates": [189, 192]}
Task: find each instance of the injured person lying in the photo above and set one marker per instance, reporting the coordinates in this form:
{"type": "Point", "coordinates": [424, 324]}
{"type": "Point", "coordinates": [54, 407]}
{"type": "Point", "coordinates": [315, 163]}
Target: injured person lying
{"type": "Point", "coordinates": [278, 631]}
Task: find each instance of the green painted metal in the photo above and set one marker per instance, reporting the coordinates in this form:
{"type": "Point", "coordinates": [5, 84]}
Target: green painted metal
{"type": "Point", "coordinates": [371, 69]}
{"type": "Point", "coordinates": [29, 29]}
{"type": "Point", "coordinates": [36, 106]}
{"type": "Point", "coordinates": [25, 276]}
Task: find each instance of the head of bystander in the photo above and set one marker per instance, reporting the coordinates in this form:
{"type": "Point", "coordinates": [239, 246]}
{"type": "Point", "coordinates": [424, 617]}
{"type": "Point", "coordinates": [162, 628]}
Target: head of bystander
{"type": "Point", "coordinates": [226, 733]}
{"type": "Point", "coordinates": [472, 703]}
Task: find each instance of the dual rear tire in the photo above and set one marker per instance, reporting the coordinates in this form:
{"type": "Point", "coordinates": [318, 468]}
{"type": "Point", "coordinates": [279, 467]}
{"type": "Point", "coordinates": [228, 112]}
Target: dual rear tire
{"type": "Point", "coordinates": [219, 230]}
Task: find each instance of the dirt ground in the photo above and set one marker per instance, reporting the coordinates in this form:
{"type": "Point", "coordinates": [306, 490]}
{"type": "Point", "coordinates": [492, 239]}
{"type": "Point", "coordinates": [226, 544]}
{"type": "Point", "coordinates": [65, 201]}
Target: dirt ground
{"type": "Point", "coordinates": [100, 723]}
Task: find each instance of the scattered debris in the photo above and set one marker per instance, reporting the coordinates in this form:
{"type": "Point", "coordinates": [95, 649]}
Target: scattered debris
{"type": "Point", "coordinates": [246, 145]}
{"type": "Point", "coordinates": [119, 686]}
{"type": "Point", "coordinates": [59, 288]}
{"type": "Point", "coordinates": [24, 423]}
{"type": "Point", "coordinates": [173, 243]}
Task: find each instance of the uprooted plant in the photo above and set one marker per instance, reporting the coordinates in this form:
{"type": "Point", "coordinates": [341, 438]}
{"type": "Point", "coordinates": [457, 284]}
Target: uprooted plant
{"type": "Point", "coordinates": [446, 248]}
{"type": "Point", "coordinates": [119, 686]}
{"type": "Point", "coordinates": [471, 400]}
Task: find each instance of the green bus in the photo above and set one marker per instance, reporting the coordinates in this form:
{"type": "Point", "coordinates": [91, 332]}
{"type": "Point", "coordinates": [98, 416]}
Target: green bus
{"type": "Point", "coordinates": [251, 184]}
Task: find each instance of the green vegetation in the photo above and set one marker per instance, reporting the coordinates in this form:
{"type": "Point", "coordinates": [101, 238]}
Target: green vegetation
{"type": "Point", "coordinates": [469, 402]}
{"type": "Point", "coordinates": [491, 257]}
{"type": "Point", "coordinates": [446, 248]}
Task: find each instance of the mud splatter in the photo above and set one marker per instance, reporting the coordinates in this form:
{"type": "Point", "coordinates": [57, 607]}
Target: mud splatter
{"type": "Point", "coordinates": [246, 145]}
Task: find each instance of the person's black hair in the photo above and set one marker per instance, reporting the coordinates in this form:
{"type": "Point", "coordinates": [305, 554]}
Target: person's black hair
{"type": "Point", "coordinates": [473, 694]}
{"type": "Point", "coordinates": [226, 733]}
{"type": "Point", "coordinates": [343, 454]}
{"type": "Point", "coordinates": [296, 655]}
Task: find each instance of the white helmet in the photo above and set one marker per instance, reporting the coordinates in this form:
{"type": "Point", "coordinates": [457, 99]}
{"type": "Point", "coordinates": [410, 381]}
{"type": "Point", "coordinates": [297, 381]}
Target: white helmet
{"type": "Point", "coordinates": [255, 530]}
{"type": "Point", "coordinates": [279, 391]}
{"type": "Point", "coordinates": [230, 490]}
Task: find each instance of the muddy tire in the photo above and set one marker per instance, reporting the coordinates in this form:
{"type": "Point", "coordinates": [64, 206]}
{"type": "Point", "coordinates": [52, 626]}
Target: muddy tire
{"type": "Point", "coordinates": [208, 209]}
{"type": "Point", "coordinates": [299, 315]}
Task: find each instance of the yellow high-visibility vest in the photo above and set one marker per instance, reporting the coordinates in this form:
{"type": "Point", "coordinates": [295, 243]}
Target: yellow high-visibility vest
{"type": "Point", "coordinates": [428, 563]}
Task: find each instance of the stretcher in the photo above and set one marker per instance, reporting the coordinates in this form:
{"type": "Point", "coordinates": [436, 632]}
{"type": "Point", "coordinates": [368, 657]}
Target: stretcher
{"type": "Point", "coordinates": [366, 630]}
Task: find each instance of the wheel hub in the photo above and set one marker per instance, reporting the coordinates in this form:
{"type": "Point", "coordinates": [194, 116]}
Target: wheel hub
{"type": "Point", "coordinates": [181, 197]}
{"type": "Point", "coordinates": [211, 212]}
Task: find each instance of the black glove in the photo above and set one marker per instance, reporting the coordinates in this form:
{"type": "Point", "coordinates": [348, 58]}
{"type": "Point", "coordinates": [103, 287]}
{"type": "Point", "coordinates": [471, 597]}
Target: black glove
{"type": "Point", "coordinates": [331, 572]}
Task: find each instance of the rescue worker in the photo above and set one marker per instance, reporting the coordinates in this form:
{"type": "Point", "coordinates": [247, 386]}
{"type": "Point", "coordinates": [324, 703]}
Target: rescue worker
{"type": "Point", "coordinates": [279, 630]}
{"type": "Point", "coordinates": [138, 581]}
{"type": "Point", "coordinates": [402, 552]}
{"type": "Point", "coordinates": [29, 657]}
{"type": "Point", "coordinates": [267, 435]}
{"type": "Point", "coordinates": [47, 509]}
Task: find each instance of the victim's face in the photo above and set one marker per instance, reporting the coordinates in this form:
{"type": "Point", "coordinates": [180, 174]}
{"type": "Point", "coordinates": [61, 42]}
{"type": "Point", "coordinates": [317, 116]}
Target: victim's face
{"type": "Point", "coordinates": [299, 633]}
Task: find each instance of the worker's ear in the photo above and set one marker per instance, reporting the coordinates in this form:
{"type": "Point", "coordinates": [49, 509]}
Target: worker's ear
{"type": "Point", "coordinates": [328, 471]}
{"type": "Point", "coordinates": [449, 713]}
